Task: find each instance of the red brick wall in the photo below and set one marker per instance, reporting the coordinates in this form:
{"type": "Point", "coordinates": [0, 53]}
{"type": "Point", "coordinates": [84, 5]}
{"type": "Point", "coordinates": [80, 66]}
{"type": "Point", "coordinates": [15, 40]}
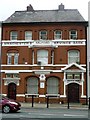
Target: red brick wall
{"type": "Point", "coordinates": [60, 54]}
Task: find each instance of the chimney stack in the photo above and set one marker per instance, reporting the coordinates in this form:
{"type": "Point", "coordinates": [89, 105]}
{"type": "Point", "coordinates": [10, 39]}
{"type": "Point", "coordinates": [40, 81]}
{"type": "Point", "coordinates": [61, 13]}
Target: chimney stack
{"type": "Point", "coordinates": [61, 7]}
{"type": "Point", "coordinates": [30, 8]}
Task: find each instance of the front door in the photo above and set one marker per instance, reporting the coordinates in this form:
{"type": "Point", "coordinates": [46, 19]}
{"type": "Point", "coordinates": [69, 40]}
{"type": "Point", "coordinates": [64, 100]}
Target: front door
{"type": "Point", "coordinates": [12, 91]}
{"type": "Point", "coordinates": [73, 92]}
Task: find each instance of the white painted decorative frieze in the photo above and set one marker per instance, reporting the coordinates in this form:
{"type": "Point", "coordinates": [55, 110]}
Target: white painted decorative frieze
{"type": "Point", "coordinates": [41, 43]}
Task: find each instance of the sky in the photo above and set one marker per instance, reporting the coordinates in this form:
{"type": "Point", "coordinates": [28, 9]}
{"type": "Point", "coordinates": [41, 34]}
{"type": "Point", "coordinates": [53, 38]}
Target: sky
{"type": "Point", "coordinates": [8, 7]}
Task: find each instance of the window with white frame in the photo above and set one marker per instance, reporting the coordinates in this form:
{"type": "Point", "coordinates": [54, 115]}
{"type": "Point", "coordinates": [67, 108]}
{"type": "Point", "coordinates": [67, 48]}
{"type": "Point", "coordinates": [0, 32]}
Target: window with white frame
{"type": "Point", "coordinates": [28, 35]}
{"type": "Point", "coordinates": [33, 57]}
{"type": "Point", "coordinates": [73, 56]}
{"type": "Point", "coordinates": [69, 76]}
{"type": "Point", "coordinates": [57, 34]}
{"type": "Point", "coordinates": [32, 85]}
{"type": "Point", "coordinates": [52, 85]}
{"type": "Point", "coordinates": [43, 35]}
{"type": "Point", "coordinates": [13, 35]}
{"type": "Point", "coordinates": [77, 76]}
{"type": "Point", "coordinates": [11, 57]}
{"type": "Point", "coordinates": [52, 57]}
{"type": "Point", "coordinates": [73, 34]}
{"type": "Point", "coordinates": [8, 75]}
{"type": "Point", "coordinates": [15, 75]}
{"type": "Point", "coordinates": [73, 75]}
{"type": "Point", "coordinates": [12, 75]}
{"type": "Point", "coordinates": [42, 57]}
{"type": "Point", "coordinates": [16, 58]}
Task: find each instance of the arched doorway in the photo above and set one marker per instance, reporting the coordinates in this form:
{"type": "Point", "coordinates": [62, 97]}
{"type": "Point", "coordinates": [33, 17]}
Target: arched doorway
{"type": "Point", "coordinates": [73, 92]}
{"type": "Point", "coordinates": [12, 91]}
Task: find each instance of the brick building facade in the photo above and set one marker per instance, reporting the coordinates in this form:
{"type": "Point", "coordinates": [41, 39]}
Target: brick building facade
{"type": "Point", "coordinates": [44, 54]}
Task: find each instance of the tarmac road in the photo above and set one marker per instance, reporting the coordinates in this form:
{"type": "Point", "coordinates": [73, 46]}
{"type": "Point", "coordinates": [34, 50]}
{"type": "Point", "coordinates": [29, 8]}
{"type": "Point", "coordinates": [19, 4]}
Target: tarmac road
{"type": "Point", "coordinates": [47, 114]}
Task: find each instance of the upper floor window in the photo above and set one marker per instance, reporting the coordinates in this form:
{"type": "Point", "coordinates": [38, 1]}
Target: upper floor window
{"type": "Point", "coordinates": [15, 75]}
{"type": "Point", "coordinates": [73, 76]}
{"type": "Point", "coordinates": [9, 58]}
{"type": "Point", "coordinates": [73, 34]}
{"type": "Point", "coordinates": [52, 57]}
{"type": "Point", "coordinates": [28, 35]}
{"type": "Point", "coordinates": [8, 75]}
{"type": "Point", "coordinates": [12, 58]}
{"type": "Point", "coordinates": [13, 35]}
{"type": "Point", "coordinates": [73, 56]}
{"type": "Point", "coordinates": [57, 34]}
{"type": "Point", "coordinates": [43, 35]}
{"type": "Point", "coordinates": [16, 58]}
{"type": "Point", "coordinates": [42, 57]}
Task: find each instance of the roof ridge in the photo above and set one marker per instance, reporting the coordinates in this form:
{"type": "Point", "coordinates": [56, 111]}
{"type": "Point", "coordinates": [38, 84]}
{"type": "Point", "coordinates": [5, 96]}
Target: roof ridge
{"type": "Point", "coordinates": [47, 10]}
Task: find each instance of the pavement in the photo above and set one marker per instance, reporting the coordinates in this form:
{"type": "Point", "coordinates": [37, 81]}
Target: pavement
{"type": "Point", "coordinates": [54, 105]}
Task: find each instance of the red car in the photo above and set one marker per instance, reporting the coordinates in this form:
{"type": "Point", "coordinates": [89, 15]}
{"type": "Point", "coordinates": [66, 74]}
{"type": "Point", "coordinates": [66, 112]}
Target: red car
{"type": "Point", "coordinates": [8, 105]}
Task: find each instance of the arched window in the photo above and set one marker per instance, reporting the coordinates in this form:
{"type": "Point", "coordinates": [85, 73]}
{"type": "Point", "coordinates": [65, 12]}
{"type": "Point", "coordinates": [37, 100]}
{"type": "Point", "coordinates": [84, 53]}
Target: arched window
{"type": "Point", "coordinates": [43, 35]}
{"type": "Point", "coordinates": [73, 34]}
{"type": "Point", "coordinates": [52, 85]}
{"type": "Point", "coordinates": [42, 57]}
{"type": "Point", "coordinates": [57, 34]}
{"type": "Point", "coordinates": [73, 56]}
{"type": "Point", "coordinates": [28, 35]}
{"type": "Point", "coordinates": [32, 85]}
{"type": "Point", "coordinates": [12, 56]}
{"type": "Point", "coordinates": [13, 35]}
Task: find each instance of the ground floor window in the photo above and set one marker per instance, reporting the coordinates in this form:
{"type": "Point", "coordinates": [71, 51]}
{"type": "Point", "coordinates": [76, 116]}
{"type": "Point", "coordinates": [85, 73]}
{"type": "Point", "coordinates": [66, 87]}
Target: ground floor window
{"type": "Point", "coordinates": [52, 85]}
{"type": "Point", "coordinates": [32, 85]}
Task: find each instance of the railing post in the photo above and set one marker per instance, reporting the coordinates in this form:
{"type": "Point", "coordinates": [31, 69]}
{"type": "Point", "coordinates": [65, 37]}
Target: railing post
{"type": "Point", "coordinates": [47, 101]}
{"type": "Point", "coordinates": [32, 100]}
{"type": "Point", "coordinates": [89, 102]}
{"type": "Point", "coordinates": [68, 98]}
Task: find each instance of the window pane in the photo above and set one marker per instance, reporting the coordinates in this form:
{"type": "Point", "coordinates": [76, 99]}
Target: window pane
{"type": "Point", "coordinates": [77, 76]}
{"type": "Point", "coordinates": [43, 35]}
{"type": "Point", "coordinates": [12, 58]}
{"type": "Point", "coordinates": [57, 34]}
{"type": "Point", "coordinates": [52, 85]}
{"type": "Point", "coordinates": [16, 75]}
{"type": "Point", "coordinates": [73, 34]}
{"type": "Point", "coordinates": [28, 35]}
{"type": "Point", "coordinates": [9, 59]}
{"type": "Point", "coordinates": [42, 56]}
{"type": "Point", "coordinates": [9, 75]}
{"type": "Point", "coordinates": [32, 85]}
{"type": "Point", "coordinates": [73, 56]}
{"type": "Point", "coordinates": [13, 35]}
{"type": "Point", "coordinates": [69, 76]}
{"type": "Point", "coordinates": [16, 59]}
